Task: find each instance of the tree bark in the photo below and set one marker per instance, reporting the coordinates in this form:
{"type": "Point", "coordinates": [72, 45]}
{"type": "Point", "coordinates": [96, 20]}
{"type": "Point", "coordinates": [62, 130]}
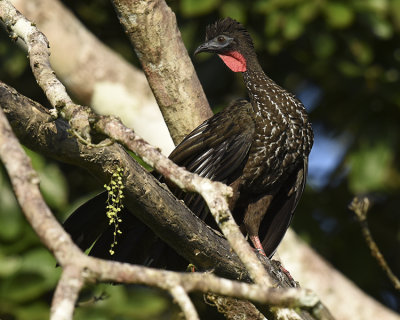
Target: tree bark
{"type": "Point", "coordinates": [166, 63]}
{"type": "Point", "coordinates": [95, 74]}
{"type": "Point", "coordinates": [332, 288]}
{"type": "Point", "coordinates": [145, 196]}
{"type": "Point", "coordinates": [178, 226]}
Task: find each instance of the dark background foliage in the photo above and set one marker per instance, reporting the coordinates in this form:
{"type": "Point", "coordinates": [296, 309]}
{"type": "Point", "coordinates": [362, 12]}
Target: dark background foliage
{"type": "Point", "coordinates": [341, 58]}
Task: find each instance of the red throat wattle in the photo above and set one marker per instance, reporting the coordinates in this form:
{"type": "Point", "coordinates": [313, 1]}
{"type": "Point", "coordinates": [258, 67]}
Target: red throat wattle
{"type": "Point", "coordinates": [234, 60]}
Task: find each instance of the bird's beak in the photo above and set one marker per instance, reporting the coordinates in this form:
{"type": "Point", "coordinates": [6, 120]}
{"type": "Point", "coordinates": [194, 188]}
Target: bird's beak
{"type": "Point", "coordinates": [213, 46]}
{"type": "Point", "coordinates": [205, 47]}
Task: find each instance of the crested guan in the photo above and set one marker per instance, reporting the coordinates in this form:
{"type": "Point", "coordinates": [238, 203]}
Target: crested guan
{"type": "Point", "coordinates": [260, 148]}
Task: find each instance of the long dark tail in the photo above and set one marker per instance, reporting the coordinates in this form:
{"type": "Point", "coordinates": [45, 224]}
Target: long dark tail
{"type": "Point", "coordinates": [89, 227]}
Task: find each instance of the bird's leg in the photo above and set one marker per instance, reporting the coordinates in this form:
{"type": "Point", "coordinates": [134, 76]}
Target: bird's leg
{"type": "Point", "coordinates": [257, 244]}
{"type": "Point", "coordinates": [286, 272]}
{"type": "Point", "coordinates": [253, 216]}
{"type": "Point", "coordinates": [259, 249]}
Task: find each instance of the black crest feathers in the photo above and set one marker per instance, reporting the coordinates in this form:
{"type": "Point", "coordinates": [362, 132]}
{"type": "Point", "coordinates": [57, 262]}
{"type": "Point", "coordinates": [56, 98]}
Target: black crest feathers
{"type": "Point", "coordinates": [229, 27]}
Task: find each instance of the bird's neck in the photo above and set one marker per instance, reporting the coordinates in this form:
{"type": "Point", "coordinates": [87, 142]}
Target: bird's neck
{"type": "Point", "coordinates": [267, 98]}
{"type": "Point", "coordinates": [264, 93]}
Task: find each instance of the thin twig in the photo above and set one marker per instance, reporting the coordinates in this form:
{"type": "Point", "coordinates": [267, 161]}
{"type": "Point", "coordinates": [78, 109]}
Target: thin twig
{"type": "Point", "coordinates": [360, 206]}
{"type": "Point", "coordinates": [25, 183]}
{"type": "Point", "coordinates": [38, 51]}
{"type": "Point", "coordinates": [182, 298]}
{"type": "Point", "coordinates": [66, 294]}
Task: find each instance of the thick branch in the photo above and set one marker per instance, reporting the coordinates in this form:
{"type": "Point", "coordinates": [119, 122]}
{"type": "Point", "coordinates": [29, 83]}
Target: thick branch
{"type": "Point", "coordinates": [211, 191]}
{"type": "Point", "coordinates": [78, 266]}
{"type": "Point", "coordinates": [95, 74]}
{"type": "Point", "coordinates": [152, 29]}
{"type": "Point", "coordinates": [177, 226]}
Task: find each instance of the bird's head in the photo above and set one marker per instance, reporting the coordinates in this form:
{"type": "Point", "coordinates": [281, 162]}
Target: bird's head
{"type": "Point", "coordinates": [231, 41]}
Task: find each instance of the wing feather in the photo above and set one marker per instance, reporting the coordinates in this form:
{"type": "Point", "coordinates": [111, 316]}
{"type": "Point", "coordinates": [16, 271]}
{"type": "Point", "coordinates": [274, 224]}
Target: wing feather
{"type": "Point", "coordinates": [281, 211]}
{"type": "Point", "coordinates": [219, 155]}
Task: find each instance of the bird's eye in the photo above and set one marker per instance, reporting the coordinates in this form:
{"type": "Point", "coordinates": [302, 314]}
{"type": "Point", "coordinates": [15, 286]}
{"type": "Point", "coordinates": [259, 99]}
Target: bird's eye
{"type": "Point", "coordinates": [221, 39]}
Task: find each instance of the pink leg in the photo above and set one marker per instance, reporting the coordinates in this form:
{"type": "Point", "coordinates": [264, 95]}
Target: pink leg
{"type": "Point", "coordinates": [258, 247]}
{"type": "Point", "coordinates": [257, 244]}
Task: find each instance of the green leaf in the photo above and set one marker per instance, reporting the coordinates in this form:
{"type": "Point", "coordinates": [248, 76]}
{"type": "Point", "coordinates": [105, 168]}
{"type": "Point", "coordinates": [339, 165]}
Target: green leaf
{"type": "Point", "coordinates": [36, 275]}
{"type": "Point", "coordinates": [293, 27]}
{"type": "Point", "coordinates": [395, 12]}
{"type": "Point", "coordinates": [37, 310]}
{"type": "Point", "coordinates": [324, 45]}
{"type": "Point", "coordinates": [191, 8]}
{"type": "Point", "coordinates": [361, 51]}
{"type": "Point", "coordinates": [9, 265]}
{"type": "Point", "coordinates": [53, 184]}
{"type": "Point", "coordinates": [338, 15]}
{"type": "Point", "coordinates": [265, 6]}
{"type": "Point", "coordinates": [235, 10]}
{"type": "Point", "coordinates": [10, 213]}
{"type": "Point", "coordinates": [273, 23]}
{"type": "Point", "coordinates": [349, 68]}
{"type": "Point", "coordinates": [369, 168]}
{"type": "Point", "coordinates": [307, 10]}
{"type": "Point", "coordinates": [381, 27]}
{"type": "Point", "coordinates": [274, 46]}
{"type": "Point", "coordinates": [373, 6]}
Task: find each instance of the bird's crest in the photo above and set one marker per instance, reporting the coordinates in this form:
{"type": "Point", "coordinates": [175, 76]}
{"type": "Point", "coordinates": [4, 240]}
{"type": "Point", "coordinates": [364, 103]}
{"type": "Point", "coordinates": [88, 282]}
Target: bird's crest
{"type": "Point", "coordinates": [229, 27]}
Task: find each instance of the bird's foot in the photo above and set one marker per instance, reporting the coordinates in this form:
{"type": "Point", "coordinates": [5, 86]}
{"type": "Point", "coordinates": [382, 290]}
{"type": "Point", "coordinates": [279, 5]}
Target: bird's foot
{"type": "Point", "coordinates": [286, 272]}
{"type": "Point", "coordinates": [191, 268]}
{"type": "Point", "coordinates": [258, 251]}
{"type": "Point", "coordinates": [257, 245]}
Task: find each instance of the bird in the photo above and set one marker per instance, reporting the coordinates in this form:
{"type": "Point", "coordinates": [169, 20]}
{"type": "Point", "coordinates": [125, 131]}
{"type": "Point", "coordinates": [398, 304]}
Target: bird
{"type": "Point", "coordinates": [259, 147]}
{"type": "Point", "coordinates": [275, 138]}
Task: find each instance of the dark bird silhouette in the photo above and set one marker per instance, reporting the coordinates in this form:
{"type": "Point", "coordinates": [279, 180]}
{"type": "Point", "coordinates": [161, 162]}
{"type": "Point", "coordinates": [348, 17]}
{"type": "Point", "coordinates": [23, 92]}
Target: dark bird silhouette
{"type": "Point", "coordinates": [260, 148]}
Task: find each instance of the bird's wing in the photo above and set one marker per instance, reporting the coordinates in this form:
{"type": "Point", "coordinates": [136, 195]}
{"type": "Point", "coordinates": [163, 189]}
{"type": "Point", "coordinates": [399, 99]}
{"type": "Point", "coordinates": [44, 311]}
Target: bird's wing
{"type": "Point", "coordinates": [281, 210]}
{"type": "Point", "coordinates": [218, 149]}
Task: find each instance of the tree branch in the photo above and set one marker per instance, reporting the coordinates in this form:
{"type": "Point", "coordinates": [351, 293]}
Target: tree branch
{"type": "Point", "coordinates": [66, 294]}
{"type": "Point", "coordinates": [78, 117]}
{"type": "Point", "coordinates": [360, 206]}
{"type": "Point", "coordinates": [166, 63]}
{"type": "Point", "coordinates": [95, 74]}
{"type": "Point", "coordinates": [207, 250]}
{"type": "Point", "coordinates": [79, 267]}
{"type": "Point", "coordinates": [182, 298]}
{"type": "Point", "coordinates": [214, 193]}
{"type": "Point", "coordinates": [178, 226]}
{"type": "Point", "coordinates": [38, 51]}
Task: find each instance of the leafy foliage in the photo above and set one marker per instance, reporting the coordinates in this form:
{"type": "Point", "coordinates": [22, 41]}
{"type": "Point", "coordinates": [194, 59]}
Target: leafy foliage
{"type": "Point", "coordinates": [342, 58]}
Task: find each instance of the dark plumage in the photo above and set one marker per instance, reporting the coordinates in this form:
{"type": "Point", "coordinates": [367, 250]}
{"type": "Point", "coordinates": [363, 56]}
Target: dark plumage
{"type": "Point", "coordinates": [272, 179]}
{"type": "Point", "coordinates": [260, 148]}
